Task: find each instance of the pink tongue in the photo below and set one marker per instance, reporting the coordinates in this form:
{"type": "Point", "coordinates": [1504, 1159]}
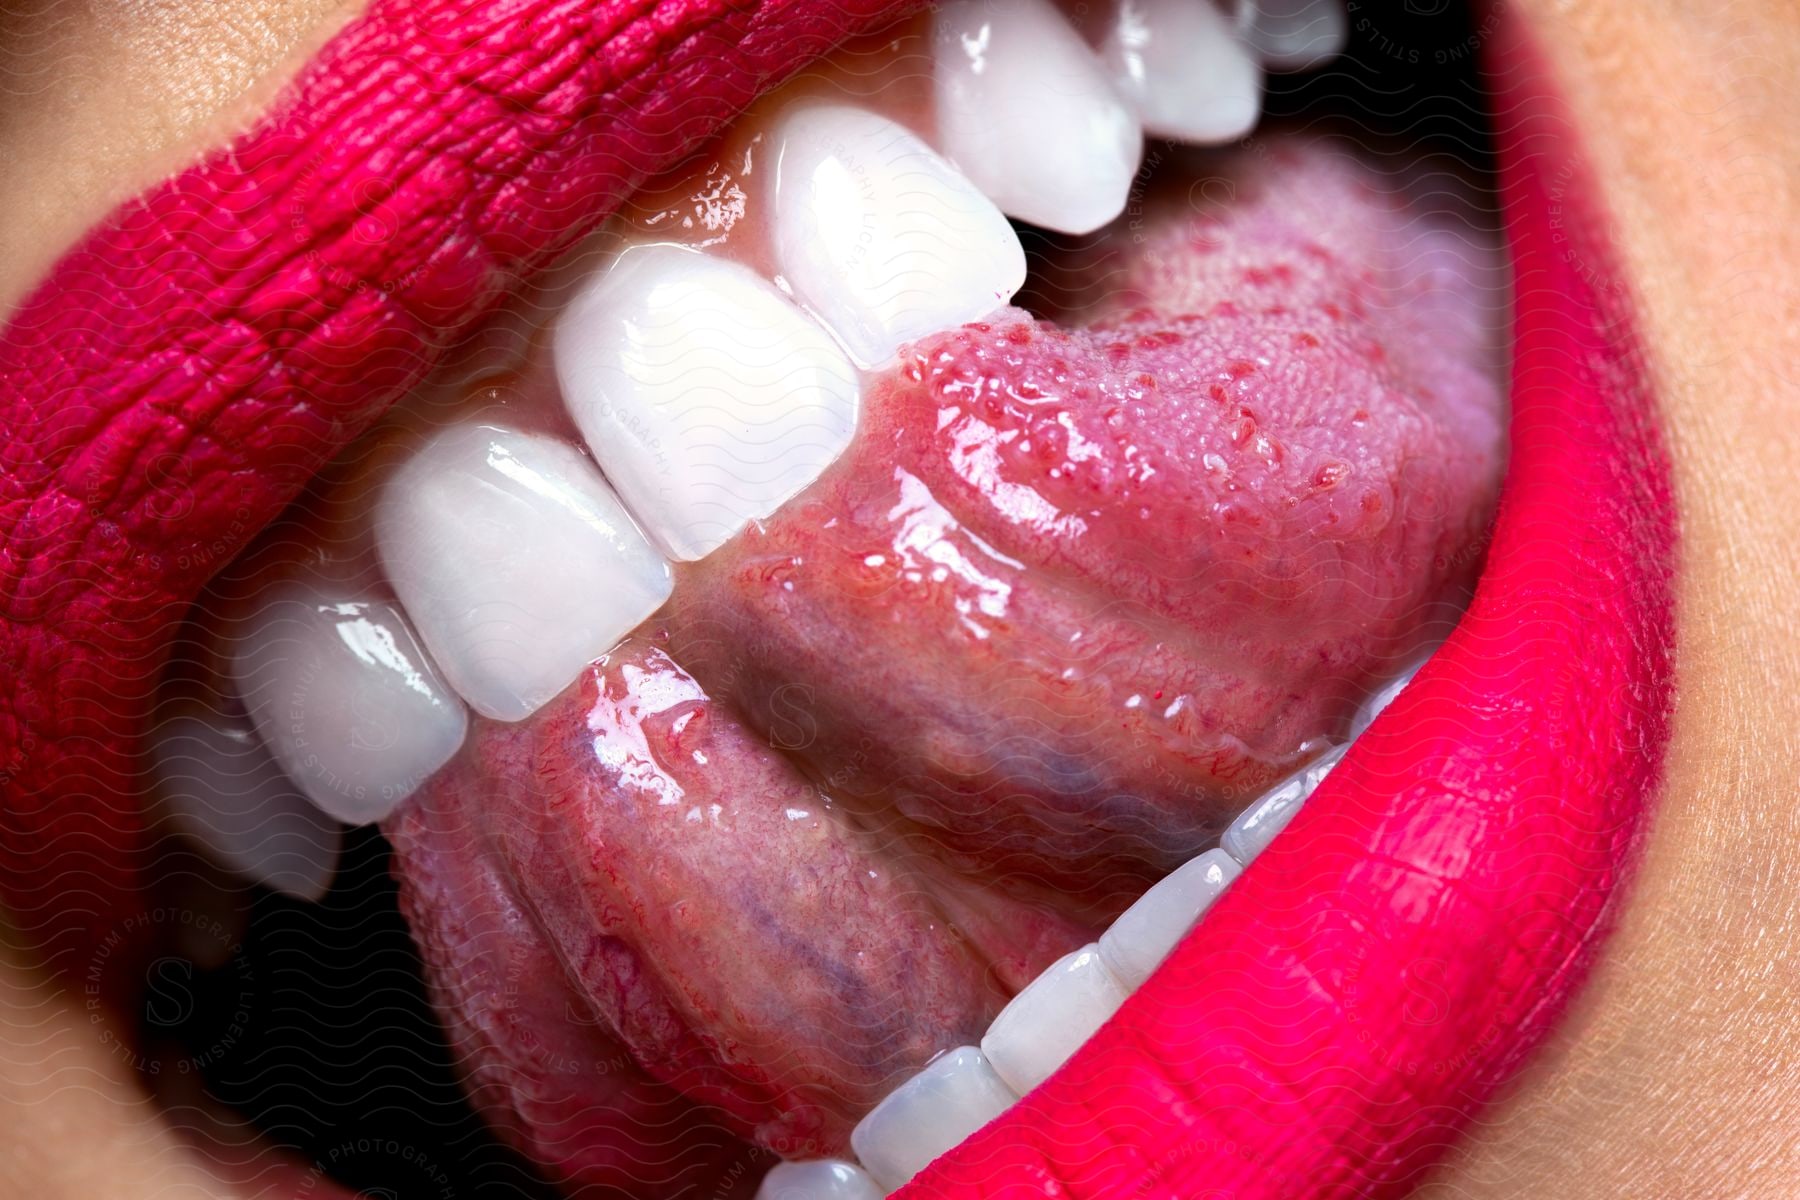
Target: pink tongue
{"type": "Point", "coordinates": [1071, 599]}
{"type": "Point", "coordinates": [1074, 595]}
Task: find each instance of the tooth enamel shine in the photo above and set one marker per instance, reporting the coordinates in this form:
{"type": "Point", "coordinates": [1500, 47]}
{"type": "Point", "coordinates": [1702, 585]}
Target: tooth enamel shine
{"type": "Point", "coordinates": [878, 236]}
{"type": "Point", "coordinates": [345, 697]}
{"type": "Point", "coordinates": [956, 1094]}
{"type": "Point", "coordinates": [1256, 826]}
{"type": "Point", "coordinates": [1184, 69]}
{"type": "Point", "coordinates": [1050, 1019]}
{"type": "Point", "coordinates": [824, 1179]}
{"type": "Point", "coordinates": [1144, 934]}
{"type": "Point", "coordinates": [516, 562]}
{"type": "Point", "coordinates": [1026, 110]}
{"type": "Point", "coordinates": [706, 397]}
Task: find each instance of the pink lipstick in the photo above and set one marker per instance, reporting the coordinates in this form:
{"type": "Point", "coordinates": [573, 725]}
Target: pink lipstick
{"type": "Point", "coordinates": [1356, 998]}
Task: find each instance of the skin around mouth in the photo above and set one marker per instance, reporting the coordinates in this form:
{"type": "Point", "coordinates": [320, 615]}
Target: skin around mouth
{"type": "Point", "coordinates": [1072, 597]}
{"type": "Point", "coordinates": [1619, 450]}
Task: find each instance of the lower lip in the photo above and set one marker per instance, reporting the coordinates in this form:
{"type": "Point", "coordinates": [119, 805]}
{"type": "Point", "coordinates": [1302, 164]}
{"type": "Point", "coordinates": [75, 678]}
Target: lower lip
{"type": "Point", "coordinates": [1358, 995]}
{"type": "Point", "coordinates": [1372, 981]}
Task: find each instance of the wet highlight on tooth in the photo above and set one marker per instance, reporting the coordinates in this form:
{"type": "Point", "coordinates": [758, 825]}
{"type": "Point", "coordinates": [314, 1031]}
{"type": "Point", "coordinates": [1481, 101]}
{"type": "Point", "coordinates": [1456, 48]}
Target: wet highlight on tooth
{"type": "Point", "coordinates": [830, 689]}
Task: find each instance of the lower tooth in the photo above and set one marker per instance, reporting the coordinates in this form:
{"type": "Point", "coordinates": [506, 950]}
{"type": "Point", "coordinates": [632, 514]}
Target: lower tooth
{"type": "Point", "coordinates": [950, 1099]}
{"type": "Point", "coordinates": [1256, 826]}
{"type": "Point", "coordinates": [1065, 1005]}
{"type": "Point", "coordinates": [1383, 696]}
{"type": "Point", "coordinates": [1026, 110]}
{"type": "Point", "coordinates": [224, 791]}
{"type": "Point", "coordinates": [822, 1180]}
{"type": "Point", "coordinates": [345, 698]}
{"type": "Point", "coordinates": [1292, 35]}
{"type": "Point", "coordinates": [1048, 1021]}
{"type": "Point", "coordinates": [1144, 934]}
{"type": "Point", "coordinates": [1182, 65]}
{"type": "Point", "coordinates": [706, 397]}
{"type": "Point", "coordinates": [879, 237]}
{"type": "Point", "coordinates": [516, 562]}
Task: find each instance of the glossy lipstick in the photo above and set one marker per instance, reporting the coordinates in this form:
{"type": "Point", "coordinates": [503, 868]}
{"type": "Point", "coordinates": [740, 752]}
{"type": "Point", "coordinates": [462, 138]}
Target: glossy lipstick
{"type": "Point", "coordinates": [1360, 993]}
{"type": "Point", "coordinates": [181, 374]}
{"type": "Point", "coordinates": [1372, 981]}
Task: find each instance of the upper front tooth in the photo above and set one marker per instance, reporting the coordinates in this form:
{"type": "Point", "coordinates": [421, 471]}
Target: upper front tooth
{"type": "Point", "coordinates": [706, 397]}
{"type": "Point", "coordinates": [1292, 35]}
{"type": "Point", "coordinates": [516, 562]}
{"type": "Point", "coordinates": [222, 789]}
{"type": "Point", "coordinates": [345, 698]}
{"type": "Point", "coordinates": [883, 240]}
{"type": "Point", "coordinates": [1026, 110]}
{"type": "Point", "coordinates": [1182, 65]}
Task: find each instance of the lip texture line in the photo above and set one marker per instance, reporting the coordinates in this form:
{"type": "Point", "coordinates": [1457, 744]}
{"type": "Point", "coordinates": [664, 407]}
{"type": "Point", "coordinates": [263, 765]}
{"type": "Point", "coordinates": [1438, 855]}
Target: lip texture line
{"type": "Point", "coordinates": [1382, 970]}
{"type": "Point", "coordinates": [181, 374]}
{"type": "Point", "coordinates": [1353, 1000]}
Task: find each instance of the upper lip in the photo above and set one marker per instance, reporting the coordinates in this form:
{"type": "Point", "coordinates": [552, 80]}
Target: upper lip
{"type": "Point", "coordinates": [1356, 996]}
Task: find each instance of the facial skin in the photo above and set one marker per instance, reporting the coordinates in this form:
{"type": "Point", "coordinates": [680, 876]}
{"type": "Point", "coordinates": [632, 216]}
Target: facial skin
{"type": "Point", "coordinates": [1680, 1059]}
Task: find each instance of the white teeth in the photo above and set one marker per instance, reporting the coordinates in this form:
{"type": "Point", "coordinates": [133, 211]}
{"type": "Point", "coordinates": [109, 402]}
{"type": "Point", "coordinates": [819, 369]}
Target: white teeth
{"type": "Point", "coordinates": [223, 790]}
{"type": "Point", "coordinates": [1026, 110]}
{"type": "Point", "coordinates": [516, 562]}
{"type": "Point", "coordinates": [950, 1099]}
{"type": "Point", "coordinates": [880, 238]}
{"type": "Point", "coordinates": [1048, 1021]}
{"type": "Point", "coordinates": [1378, 700]}
{"type": "Point", "coordinates": [1293, 35]}
{"type": "Point", "coordinates": [706, 397]}
{"type": "Point", "coordinates": [345, 698]}
{"type": "Point", "coordinates": [825, 1179]}
{"type": "Point", "coordinates": [1181, 64]}
{"type": "Point", "coordinates": [1136, 944]}
{"type": "Point", "coordinates": [1256, 826]}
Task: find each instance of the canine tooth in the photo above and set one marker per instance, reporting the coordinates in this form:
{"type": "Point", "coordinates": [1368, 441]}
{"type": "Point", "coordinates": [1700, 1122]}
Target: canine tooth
{"type": "Point", "coordinates": [956, 1094]}
{"type": "Point", "coordinates": [1256, 826]}
{"type": "Point", "coordinates": [345, 698]}
{"type": "Point", "coordinates": [1182, 66]}
{"type": "Point", "coordinates": [1026, 110]}
{"type": "Point", "coordinates": [881, 238]}
{"type": "Point", "coordinates": [1292, 35]}
{"type": "Point", "coordinates": [515, 561]}
{"type": "Point", "coordinates": [825, 1179]}
{"type": "Point", "coordinates": [223, 790]}
{"type": "Point", "coordinates": [707, 398]}
{"type": "Point", "coordinates": [1144, 934]}
{"type": "Point", "coordinates": [1047, 1022]}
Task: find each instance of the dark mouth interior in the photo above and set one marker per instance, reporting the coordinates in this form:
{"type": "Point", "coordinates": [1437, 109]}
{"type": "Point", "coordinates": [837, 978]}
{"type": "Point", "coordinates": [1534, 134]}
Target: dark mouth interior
{"type": "Point", "coordinates": [317, 1030]}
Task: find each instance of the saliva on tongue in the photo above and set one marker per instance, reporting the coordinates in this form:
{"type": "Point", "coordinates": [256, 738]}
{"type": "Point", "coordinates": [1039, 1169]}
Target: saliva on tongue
{"type": "Point", "coordinates": [1075, 595]}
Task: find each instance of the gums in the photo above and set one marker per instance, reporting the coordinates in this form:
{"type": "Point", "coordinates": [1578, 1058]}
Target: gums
{"type": "Point", "coordinates": [1070, 599]}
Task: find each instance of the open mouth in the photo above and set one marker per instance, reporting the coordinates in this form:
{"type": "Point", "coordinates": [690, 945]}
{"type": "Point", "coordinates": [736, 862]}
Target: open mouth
{"type": "Point", "coordinates": [824, 712]}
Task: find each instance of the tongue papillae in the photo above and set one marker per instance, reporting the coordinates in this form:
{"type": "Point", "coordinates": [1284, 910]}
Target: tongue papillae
{"type": "Point", "coordinates": [1074, 595]}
